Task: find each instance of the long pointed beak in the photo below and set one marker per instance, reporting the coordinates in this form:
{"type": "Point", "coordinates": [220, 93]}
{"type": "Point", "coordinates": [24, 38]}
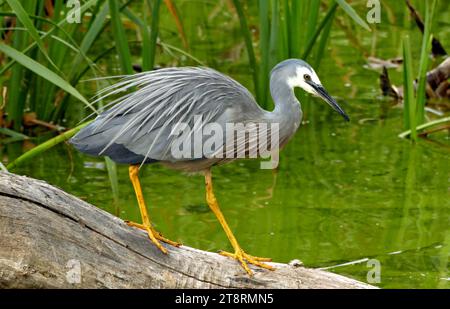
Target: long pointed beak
{"type": "Point", "coordinates": [321, 92]}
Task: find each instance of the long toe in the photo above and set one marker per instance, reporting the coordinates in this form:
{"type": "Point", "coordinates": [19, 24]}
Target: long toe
{"type": "Point", "coordinates": [259, 264]}
{"type": "Point", "coordinates": [160, 237]}
{"type": "Point", "coordinates": [245, 258]}
{"type": "Point", "coordinates": [155, 233]}
{"type": "Point", "coordinates": [152, 234]}
{"type": "Point", "coordinates": [256, 258]}
{"type": "Point", "coordinates": [136, 225]}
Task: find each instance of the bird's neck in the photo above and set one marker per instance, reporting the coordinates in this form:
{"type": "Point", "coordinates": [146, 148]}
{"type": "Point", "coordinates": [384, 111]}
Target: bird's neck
{"type": "Point", "coordinates": [287, 107]}
{"type": "Point", "coordinates": [287, 112]}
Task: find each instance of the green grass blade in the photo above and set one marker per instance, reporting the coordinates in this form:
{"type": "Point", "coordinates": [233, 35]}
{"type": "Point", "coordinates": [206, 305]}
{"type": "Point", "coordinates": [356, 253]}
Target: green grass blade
{"type": "Point", "coordinates": [297, 12]}
{"type": "Point", "coordinates": [133, 17]}
{"type": "Point", "coordinates": [120, 38]}
{"type": "Point", "coordinates": [283, 51]}
{"type": "Point", "coordinates": [83, 9]}
{"type": "Point", "coordinates": [43, 101]}
{"type": "Point", "coordinates": [94, 30]}
{"type": "Point", "coordinates": [95, 10]}
{"type": "Point", "coordinates": [42, 71]}
{"type": "Point", "coordinates": [16, 103]}
{"type": "Point", "coordinates": [424, 126]}
{"type": "Point", "coordinates": [249, 45]}
{"type": "Point", "coordinates": [22, 15]}
{"type": "Point", "coordinates": [71, 45]}
{"type": "Point", "coordinates": [97, 25]}
{"type": "Point", "coordinates": [153, 35]}
{"type": "Point", "coordinates": [352, 13]}
{"type": "Point", "coordinates": [80, 50]}
{"type": "Point", "coordinates": [313, 16]}
{"type": "Point", "coordinates": [264, 39]}
{"type": "Point", "coordinates": [111, 167]}
{"type": "Point", "coordinates": [408, 84]}
{"type": "Point", "coordinates": [287, 26]}
{"type": "Point", "coordinates": [423, 64]}
{"type": "Point", "coordinates": [323, 41]}
{"type": "Point", "coordinates": [45, 146]}
{"type": "Point", "coordinates": [422, 80]}
{"type": "Point", "coordinates": [274, 34]}
{"type": "Point", "coordinates": [146, 55]}
{"type": "Point", "coordinates": [329, 16]}
{"type": "Point", "coordinates": [149, 38]}
{"type": "Point", "coordinates": [13, 134]}
{"type": "Point", "coordinates": [17, 92]}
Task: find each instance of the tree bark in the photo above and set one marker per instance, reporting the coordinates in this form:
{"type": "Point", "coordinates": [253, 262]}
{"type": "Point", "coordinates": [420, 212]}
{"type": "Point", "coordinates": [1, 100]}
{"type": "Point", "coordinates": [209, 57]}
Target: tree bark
{"type": "Point", "coordinates": [51, 239]}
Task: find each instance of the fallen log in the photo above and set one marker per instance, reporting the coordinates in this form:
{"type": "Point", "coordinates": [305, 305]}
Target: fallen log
{"type": "Point", "coordinates": [51, 239]}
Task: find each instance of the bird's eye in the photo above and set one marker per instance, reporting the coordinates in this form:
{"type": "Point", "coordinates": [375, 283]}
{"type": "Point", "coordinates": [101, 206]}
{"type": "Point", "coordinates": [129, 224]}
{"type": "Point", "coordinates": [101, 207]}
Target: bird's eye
{"type": "Point", "coordinates": [307, 77]}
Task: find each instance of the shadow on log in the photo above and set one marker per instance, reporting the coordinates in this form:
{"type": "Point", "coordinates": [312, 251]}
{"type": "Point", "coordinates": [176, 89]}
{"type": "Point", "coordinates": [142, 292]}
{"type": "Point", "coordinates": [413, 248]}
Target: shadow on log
{"type": "Point", "coordinates": [50, 239]}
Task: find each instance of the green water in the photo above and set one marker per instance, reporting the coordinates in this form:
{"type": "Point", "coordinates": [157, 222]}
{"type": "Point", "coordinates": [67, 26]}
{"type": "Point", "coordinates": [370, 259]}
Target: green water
{"type": "Point", "coordinates": [343, 192]}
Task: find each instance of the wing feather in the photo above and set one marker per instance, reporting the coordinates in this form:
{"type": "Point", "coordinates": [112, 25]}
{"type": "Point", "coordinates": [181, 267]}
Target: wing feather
{"type": "Point", "coordinates": [142, 119]}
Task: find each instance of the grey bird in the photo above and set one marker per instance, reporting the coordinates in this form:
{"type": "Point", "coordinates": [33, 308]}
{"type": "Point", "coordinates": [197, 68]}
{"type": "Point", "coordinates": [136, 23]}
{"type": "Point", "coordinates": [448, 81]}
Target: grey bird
{"type": "Point", "coordinates": [138, 128]}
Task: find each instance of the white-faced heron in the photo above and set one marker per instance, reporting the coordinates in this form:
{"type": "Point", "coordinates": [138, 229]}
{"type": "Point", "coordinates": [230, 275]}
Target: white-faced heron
{"type": "Point", "coordinates": [138, 128]}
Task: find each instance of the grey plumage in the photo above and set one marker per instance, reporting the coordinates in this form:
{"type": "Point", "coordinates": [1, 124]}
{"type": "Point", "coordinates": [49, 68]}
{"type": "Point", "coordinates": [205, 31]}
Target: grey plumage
{"type": "Point", "coordinates": [136, 128]}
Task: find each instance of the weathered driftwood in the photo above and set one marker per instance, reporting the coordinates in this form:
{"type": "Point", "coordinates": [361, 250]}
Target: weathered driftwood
{"type": "Point", "coordinates": [50, 239]}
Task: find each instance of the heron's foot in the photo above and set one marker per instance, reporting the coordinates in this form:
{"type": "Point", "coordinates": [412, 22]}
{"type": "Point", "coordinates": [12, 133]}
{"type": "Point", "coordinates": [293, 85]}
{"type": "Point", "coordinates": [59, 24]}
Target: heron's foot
{"type": "Point", "coordinates": [245, 258]}
{"type": "Point", "coordinates": [154, 235]}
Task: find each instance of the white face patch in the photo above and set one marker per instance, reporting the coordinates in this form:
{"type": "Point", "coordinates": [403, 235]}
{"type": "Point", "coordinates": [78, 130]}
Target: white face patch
{"type": "Point", "coordinates": [299, 80]}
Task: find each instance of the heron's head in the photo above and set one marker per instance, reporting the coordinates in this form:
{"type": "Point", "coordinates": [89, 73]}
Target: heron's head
{"type": "Point", "coordinates": [298, 73]}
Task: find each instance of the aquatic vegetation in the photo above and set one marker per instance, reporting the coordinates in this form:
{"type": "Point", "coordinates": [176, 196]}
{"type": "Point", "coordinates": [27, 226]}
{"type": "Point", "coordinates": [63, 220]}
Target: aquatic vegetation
{"type": "Point", "coordinates": [288, 29]}
{"type": "Point", "coordinates": [43, 82]}
{"type": "Point", "coordinates": [43, 79]}
{"type": "Point", "coordinates": [49, 54]}
{"type": "Point", "coordinates": [414, 100]}
{"type": "Point", "coordinates": [342, 192]}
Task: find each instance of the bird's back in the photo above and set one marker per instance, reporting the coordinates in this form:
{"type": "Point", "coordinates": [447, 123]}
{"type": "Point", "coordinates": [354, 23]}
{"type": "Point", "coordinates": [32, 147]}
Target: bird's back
{"type": "Point", "coordinates": [137, 127]}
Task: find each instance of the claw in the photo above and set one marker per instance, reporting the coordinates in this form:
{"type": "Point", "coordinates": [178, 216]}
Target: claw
{"type": "Point", "coordinates": [245, 258]}
{"type": "Point", "coordinates": [154, 235]}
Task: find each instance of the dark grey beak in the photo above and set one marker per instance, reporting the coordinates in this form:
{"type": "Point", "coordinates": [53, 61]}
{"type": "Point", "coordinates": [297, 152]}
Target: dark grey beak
{"type": "Point", "coordinates": [321, 92]}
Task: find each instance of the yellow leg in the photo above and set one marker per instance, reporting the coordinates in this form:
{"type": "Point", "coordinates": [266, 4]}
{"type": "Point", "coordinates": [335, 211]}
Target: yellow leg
{"type": "Point", "coordinates": [146, 225]}
{"type": "Point", "coordinates": [238, 254]}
